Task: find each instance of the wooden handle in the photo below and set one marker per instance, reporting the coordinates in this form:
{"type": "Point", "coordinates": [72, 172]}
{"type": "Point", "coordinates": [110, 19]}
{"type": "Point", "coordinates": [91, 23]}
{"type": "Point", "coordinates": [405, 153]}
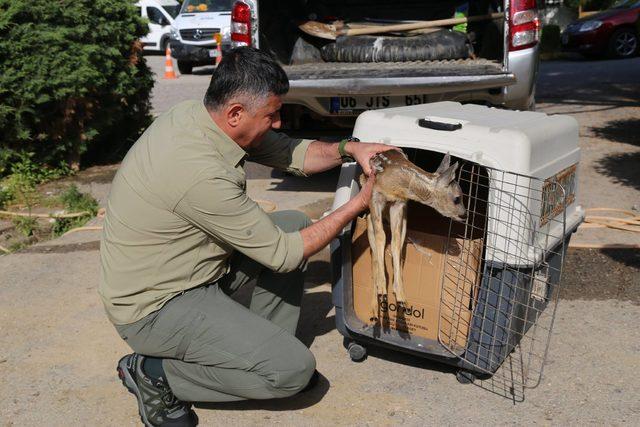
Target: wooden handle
{"type": "Point", "coordinates": [417, 25]}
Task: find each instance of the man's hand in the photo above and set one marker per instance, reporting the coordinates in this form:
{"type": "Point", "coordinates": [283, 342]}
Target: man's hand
{"type": "Point", "coordinates": [363, 151]}
{"type": "Point", "coordinates": [320, 233]}
{"type": "Point", "coordinates": [366, 190]}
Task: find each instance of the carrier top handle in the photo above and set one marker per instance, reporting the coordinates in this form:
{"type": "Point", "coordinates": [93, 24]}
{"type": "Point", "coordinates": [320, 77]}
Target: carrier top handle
{"type": "Point", "coordinates": [432, 124]}
{"type": "Point", "coordinates": [331, 32]}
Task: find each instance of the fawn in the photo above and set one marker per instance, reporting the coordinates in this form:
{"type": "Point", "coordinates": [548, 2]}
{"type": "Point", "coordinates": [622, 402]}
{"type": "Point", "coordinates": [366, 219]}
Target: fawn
{"type": "Point", "coordinates": [397, 181]}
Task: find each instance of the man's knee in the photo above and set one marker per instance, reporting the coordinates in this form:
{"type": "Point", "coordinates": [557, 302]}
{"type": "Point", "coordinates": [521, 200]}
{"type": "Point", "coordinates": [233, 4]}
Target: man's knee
{"type": "Point", "coordinates": [291, 220]}
{"type": "Point", "coordinates": [290, 367]}
{"type": "Point", "coordinates": [299, 373]}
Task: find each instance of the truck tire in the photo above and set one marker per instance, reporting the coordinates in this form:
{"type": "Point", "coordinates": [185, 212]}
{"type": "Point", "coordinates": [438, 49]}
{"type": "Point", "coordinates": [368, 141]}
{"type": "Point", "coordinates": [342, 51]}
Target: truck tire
{"type": "Point", "coordinates": [185, 67]}
{"type": "Point", "coordinates": [444, 44]}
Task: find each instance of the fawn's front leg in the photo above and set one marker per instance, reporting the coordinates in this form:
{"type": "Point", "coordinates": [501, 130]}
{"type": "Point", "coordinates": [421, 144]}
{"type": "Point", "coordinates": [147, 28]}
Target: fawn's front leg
{"type": "Point", "coordinates": [398, 220]}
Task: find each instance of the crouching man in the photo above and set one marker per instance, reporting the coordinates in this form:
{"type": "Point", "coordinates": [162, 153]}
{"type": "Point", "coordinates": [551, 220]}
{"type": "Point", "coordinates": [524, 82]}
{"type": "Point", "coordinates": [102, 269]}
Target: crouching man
{"type": "Point", "coordinates": [181, 235]}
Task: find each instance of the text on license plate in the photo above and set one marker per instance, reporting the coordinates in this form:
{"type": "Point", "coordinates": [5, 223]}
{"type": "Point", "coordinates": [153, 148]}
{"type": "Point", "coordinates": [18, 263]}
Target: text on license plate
{"type": "Point", "coordinates": [213, 53]}
{"type": "Point", "coordinates": [350, 104]}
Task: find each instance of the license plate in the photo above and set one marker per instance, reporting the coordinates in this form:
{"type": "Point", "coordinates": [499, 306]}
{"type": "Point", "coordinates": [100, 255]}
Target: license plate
{"type": "Point", "coordinates": [213, 53]}
{"type": "Point", "coordinates": [565, 38]}
{"type": "Point", "coordinates": [353, 104]}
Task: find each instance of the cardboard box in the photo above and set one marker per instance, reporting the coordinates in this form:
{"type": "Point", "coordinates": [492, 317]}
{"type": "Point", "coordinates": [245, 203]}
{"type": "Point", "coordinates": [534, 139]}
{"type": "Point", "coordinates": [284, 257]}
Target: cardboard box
{"type": "Point", "coordinates": [439, 273]}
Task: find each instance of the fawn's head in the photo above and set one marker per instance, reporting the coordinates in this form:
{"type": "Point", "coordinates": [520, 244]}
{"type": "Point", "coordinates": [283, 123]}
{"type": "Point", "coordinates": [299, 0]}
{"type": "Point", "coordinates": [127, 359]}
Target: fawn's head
{"type": "Point", "coordinates": [446, 194]}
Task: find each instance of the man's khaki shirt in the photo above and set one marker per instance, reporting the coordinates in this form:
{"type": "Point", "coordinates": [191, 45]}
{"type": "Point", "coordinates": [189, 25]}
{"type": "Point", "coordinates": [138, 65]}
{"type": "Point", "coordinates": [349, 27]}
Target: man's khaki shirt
{"type": "Point", "coordinates": [178, 209]}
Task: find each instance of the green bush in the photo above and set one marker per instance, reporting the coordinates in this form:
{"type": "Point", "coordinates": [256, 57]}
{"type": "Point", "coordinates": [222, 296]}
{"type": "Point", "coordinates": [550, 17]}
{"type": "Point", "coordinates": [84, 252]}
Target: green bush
{"type": "Point", "coordinates": [550, 39]}
{"type": "Point", "coordinates": [26, 225]}
{"type": "Point", "coordinates": [74, 201]}
{"type": "Point", "coordinates": [6, 156]}
{"type": "Point", "coordinates": [25, 174]}
{"type": "Point", "coordinates": [73, 78]}
{"type": "Point", "coordinates": [5, 197]}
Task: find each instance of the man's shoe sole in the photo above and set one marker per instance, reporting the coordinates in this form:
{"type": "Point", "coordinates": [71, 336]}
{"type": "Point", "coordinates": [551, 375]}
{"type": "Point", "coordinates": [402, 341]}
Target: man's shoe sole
{"type": "Point", "coordinates": [129, 383]}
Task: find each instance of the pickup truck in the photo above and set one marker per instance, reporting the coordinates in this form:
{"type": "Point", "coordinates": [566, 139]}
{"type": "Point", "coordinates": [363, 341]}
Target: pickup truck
{"type": "Point", "coordinates": [500, 69]}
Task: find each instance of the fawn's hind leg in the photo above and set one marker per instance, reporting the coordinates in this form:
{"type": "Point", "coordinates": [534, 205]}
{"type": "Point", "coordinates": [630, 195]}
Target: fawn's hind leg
{"type": "Point", "coordinates": [371, 235]}
{"type": "Point", "coordinates": [377, 241]}
{"type": "Point", "coordinates": [398, 221]}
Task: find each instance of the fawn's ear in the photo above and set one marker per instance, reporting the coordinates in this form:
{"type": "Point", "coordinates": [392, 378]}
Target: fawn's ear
{"type": "Point", "coordinates": [444, 164]}
{"type": "Point", "coordinates": [448, 175]}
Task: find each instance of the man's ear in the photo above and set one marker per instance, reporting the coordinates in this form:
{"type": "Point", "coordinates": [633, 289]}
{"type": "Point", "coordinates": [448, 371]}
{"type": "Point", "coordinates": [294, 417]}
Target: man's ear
{"type": "Point", "coordinates": [234, 114]}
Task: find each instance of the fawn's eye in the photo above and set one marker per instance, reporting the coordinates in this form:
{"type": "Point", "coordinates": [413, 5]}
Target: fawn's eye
{"type": "Point", "coordinates": [456, 200]}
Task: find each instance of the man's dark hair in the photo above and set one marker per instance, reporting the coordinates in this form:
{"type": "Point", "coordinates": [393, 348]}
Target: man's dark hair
{"type": "Point", "coordinates": [245, 71]}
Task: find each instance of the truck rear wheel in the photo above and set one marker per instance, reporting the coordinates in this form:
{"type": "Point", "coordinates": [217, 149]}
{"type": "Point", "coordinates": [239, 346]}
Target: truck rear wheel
{"type": "Point", "coordinates": [185, 67]}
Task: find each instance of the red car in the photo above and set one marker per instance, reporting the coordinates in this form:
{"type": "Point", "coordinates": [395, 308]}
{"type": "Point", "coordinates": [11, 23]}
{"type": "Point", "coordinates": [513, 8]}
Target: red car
{"type": "Point", "coordinates": [613, 32]}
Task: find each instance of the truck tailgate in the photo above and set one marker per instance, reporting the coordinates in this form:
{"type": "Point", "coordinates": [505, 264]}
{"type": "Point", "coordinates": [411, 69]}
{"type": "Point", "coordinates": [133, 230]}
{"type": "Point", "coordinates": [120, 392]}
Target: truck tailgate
{"type": "Point", "coordinates": [399, 78]}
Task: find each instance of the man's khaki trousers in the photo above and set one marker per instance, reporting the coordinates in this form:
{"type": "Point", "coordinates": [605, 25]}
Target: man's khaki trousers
{"type": "Point", "coordinates": [216, 350]}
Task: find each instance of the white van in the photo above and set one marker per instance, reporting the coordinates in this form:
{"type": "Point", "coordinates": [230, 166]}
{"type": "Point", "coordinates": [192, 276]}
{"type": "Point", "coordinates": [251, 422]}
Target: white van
{"type": "Point", "coordinates": [193, 32]}
{"type": "Point", "coordinates": [160, 14]}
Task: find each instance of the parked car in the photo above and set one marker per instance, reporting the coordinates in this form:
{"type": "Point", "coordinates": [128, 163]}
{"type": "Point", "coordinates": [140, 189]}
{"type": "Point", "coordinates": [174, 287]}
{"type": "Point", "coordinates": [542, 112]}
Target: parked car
{"type": "Point", "coordinates": [613, 32]}
{"type": "Point", "coordinates": [160, 14]}
{"type": "Point", "coordinates": [333, 81]}
{"type": "Point", "coordinates": [193, 33]}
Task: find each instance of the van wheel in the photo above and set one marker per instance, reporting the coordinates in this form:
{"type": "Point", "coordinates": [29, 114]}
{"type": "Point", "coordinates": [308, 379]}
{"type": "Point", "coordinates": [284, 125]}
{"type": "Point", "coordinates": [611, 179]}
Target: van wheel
{"type": "Point", "coordinates": [623, 43]}
{"type": "Point", "coordinates": [163, 44]}
{"type": "Point", "coordinates": [185, 67]}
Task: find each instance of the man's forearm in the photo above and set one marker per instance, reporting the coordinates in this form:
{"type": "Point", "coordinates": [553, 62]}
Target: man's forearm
{"type": "Point", "coordinates": [321, 156]}
{"type": "Point", "coordinates": [319, 234]}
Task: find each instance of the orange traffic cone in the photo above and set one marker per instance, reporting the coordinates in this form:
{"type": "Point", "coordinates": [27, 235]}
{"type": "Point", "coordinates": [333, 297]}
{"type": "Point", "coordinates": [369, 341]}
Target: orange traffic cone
{"type": "Point", "coordinates": [218, 38]}
{"type": "Point", "coordinates": [168, 66]}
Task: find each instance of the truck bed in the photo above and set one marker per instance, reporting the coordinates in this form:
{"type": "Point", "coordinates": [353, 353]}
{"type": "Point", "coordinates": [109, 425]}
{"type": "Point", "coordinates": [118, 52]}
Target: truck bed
{"type": "Point", "coordinates": [340, 70]}
{"type": "Point", "coordinates": [399, 78]}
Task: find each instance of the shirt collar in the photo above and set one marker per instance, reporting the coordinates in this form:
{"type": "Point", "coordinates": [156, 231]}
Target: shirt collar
{"type": "Point", "coordinates": [231, 151]}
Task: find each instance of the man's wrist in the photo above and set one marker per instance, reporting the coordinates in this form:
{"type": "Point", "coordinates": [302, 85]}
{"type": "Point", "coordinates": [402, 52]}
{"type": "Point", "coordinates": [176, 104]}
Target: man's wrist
{"type": "Point", "coordinates": [346, 148]}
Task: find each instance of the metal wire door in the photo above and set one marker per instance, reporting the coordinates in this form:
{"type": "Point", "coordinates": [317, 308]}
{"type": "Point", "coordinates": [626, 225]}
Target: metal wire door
{"type": "Point", "coordinates": [502, 272]}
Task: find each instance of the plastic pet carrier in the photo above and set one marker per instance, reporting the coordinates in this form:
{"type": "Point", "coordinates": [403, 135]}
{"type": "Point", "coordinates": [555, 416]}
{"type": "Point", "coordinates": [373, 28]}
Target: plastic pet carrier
{"type": "Point", "coordinates": [476, 291]}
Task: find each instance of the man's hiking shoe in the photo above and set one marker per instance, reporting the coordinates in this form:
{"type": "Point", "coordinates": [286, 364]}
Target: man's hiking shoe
{"type": "Point", "coordinates": [156, 403]}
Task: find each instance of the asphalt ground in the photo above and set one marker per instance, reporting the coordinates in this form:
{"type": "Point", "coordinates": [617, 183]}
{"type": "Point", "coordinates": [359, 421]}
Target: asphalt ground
{"type": "Point", "coordinates": [58, 352]}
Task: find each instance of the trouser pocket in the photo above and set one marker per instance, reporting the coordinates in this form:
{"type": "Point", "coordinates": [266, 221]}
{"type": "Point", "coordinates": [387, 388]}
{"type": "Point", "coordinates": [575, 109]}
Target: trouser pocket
{"type": "Point", "coordinates": [166, 333]}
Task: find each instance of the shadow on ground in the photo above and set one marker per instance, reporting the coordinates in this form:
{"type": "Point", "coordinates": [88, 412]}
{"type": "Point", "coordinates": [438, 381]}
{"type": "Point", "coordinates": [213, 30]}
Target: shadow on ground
{"type": "Point", "coordinates": [591, 274]}
{"type": "Point", "coordinates": [623, 168]}
{"type": "Point", "coordinates": [585, 99]}
{"type": "Point", "coordinates": [314, 321]}
{"type": "Point", "coordinates": [576, 85]}
{"type": "Point", "coordinates": [626, 131]}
